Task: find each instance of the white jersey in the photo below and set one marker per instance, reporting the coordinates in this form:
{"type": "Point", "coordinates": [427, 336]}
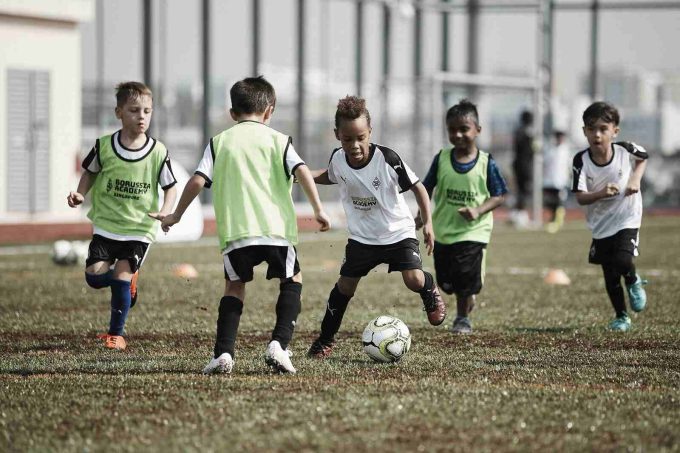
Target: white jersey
{"type": "Point", "coordinates": [556, 167]}
{"type": "Point", "coordinates": [608, 216]}
{"type": "Point", "coordinates": [377, 213]}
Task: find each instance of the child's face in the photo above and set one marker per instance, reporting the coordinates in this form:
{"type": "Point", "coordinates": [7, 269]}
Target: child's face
{"type": "Point", "coordinates": [463, 131]}
{"type": "Point", "coordinates": [600, 135]}
{"type": "Point", "coordinates": [354, 136]}
{"type": "Point", "coordinates": [136, 114]}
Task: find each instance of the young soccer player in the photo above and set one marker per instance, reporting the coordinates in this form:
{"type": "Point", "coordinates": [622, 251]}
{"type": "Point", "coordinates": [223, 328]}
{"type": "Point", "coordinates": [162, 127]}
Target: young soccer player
{"type": "Point", "coordinates": [469, 186]}
{"type": "Point", "coordinates": [124, 170]}
{"type": "Point", "coordinates": [372, 179]}
{"type": "Point", "coordinates": [556, 160]}
{"type": "Point", "coordinates": [251, 168]}
{"type": "Point", "coordinates": [607, 179]}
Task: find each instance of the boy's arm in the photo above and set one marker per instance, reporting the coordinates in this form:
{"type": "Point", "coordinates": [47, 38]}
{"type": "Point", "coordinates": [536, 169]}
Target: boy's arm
{"type": "Point", "coordinates": [586, 198]}
{"type": "Point", "coordinates": [425, 214]}
{"type": "Point", "coordinates": [633, 185]}
{"type": "Point", "coordinates": [169, 197]}
{"type": "Point", "coordinates": [191, 191]}
{"type": "Point", "coordinates": [321, 176]}
{"type": "Point", "coordinates": [84, 185]}
{"type": "Point", "coordinates": [306, 180]}
{"type": "Point", "coordinates": [473, 213]}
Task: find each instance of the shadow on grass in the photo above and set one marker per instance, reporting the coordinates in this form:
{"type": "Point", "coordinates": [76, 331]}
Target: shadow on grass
{"type": "Point", "coordinates": [544, 329]}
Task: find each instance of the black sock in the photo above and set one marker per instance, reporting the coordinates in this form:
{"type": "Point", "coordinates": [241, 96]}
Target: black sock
{"type": "Point", "coordinates": [335, 310]}
{"type": "Point", "coordinates": [227, 325]}
{"type": "Point", "coordinates": [287, 310]}
{"type": "Point", "coordinates": [630, 277]}
{"type": "Point", "coordinates": [612, 280]}
{"type": "Point", "coordinates": [427, 287]}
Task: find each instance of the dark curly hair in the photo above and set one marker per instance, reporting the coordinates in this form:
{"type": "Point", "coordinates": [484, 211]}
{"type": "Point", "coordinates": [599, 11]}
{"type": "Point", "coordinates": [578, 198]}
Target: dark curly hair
{"type": "Point", "coordinates": [351, 108]}
{"type": "Point", "coordinates": [463, 108]}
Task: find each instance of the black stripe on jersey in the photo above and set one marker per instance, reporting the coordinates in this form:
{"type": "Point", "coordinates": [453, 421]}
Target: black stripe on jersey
{"type": "Point", "coordinates": [208, 181]}
{"type": "Point", "coordinates": [116, 138]}
{"type": "Point", "coordinates": [636, 151]}
{"type": "Point", "coordinates": [393, 160]}
{"type": "Point", "coordinates": [333, 154]}
{"type": "Point", "coordinates": [576, 169]}
{"type": "Point", "coordinates": [92, 155]}
{"type": "Point", "coordinates": [212, 151]}
{"type": "Point", "coordinates": [285, 153]}
{"type": "Point", "coordinates": [167, 162]}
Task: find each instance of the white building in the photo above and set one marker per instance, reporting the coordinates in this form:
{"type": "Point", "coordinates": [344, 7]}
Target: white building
{"type": "Point", "coordinates": [40, 97]}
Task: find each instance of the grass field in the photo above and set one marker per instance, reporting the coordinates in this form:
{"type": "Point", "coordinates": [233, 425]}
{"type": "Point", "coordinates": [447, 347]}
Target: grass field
{"type": "Point", "coordinates": [540, 371]}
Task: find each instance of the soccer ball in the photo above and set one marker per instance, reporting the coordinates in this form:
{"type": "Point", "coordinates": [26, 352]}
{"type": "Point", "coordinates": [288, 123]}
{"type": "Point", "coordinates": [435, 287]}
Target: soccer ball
{"type": "Point", "coordinates": [63, 253]}
{"type": "Point", "coordinates": [386, 339]}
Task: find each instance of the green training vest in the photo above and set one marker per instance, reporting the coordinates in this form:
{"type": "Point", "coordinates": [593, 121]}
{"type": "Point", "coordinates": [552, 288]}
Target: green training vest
{"type": "Point", "coordinates": [251, 187]}
{"type": "Point", "coordinates": [126, 191]}
{"type": "Point", "coordinates": [456, 190]}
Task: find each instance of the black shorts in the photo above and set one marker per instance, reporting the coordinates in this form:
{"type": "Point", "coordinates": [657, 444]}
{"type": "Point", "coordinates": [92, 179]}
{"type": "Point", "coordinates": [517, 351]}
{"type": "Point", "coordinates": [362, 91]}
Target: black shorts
{"type": "Point", "coordinates": [110, 250]}
{"type": "Point", "coordinates": [361, 258]}
{"type": "Point", "coordinates": [460, 267]}
{"type": "Point", "coordinates": [282, 261]}
{"type": "Point", "coordinates": [603, 251]}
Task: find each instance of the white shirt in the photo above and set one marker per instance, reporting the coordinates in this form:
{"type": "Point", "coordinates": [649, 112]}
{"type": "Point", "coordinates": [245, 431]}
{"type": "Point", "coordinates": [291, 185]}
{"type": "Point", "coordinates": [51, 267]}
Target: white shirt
{"type": "Point", "coordinates": [376, 211]}
{"type": "Point", "coordinates": [205, 170]}
{"type": "Point", "coordinates": [556, 167]}
{"type": "Point", "coordinates": [608, 216]}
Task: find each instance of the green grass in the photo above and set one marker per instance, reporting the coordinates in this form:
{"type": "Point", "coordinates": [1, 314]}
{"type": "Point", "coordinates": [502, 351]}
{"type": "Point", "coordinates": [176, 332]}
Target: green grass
{"type": "Point", "coordinates": [540, 371]}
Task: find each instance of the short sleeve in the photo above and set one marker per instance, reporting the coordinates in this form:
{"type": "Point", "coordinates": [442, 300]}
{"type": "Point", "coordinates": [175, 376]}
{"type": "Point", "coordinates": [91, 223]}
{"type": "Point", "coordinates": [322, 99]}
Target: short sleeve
{"type": "Point", "coordinates": [91, 162]}
{"type": "Point", "coordinates": [578, 183]}
{"type": "Point", "coordinates": [292, 159]}
{"type": "Point", "coordinates": [406, 178]}
{"type": "Point", "coordinates": [166, 178]}
{"type": "Point", "coordinates": [205, 166]}
{"type": "Point", "coordinates": [430, 181]}
{"type": "Point", "coordinates": [332, 177]}
{"type": "Point", "coordinates": [495, 182]}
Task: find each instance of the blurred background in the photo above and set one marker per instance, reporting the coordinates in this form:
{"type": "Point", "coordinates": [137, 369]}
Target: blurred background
{"type": "Point", "coordinates": [411, 59]}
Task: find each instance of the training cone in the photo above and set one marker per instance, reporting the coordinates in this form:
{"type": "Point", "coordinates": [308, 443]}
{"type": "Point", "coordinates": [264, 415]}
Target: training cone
{"type": "Point", "coordinates": [184, 270]}
{"type": "Point", "coordinates": [557, 277]}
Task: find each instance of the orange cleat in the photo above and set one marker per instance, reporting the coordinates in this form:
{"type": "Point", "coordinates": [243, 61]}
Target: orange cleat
{"type": "Point", "coordinates": [115, 342]}
{"type": "Point", "coordinates": [133, 289]}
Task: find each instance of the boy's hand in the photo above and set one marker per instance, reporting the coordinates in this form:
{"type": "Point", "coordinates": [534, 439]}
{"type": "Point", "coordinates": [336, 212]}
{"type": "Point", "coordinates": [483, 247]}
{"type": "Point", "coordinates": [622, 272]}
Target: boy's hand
{"type": "Point", "coordinates": [74, 199]}
{"type": "Point", "coordinates": [323, 220]}
{"type": "Point", "coordinates": [611, 190]}
{"type": "Point", "coordinates": [633, 187]}
{"type": "Point", "coordinates": [428, 237]}
{"type": "Point", "coordinates": [167, 220]}
{"type": "Point", "coordinates": [469, 213]}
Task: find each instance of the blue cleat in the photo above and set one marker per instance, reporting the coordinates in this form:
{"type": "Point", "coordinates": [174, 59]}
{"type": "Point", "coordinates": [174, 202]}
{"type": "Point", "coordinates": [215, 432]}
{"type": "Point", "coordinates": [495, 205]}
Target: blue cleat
{"type": "Point", "coordinates": [637, 295]}
{"type": "Point", "coordinates": [620, 323]}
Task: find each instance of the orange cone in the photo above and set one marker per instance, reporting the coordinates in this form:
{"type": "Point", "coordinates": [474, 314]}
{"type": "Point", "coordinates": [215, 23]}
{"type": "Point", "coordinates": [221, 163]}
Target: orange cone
{"type": "Point", "coordinates": [184, 270]}
{"type": "Point", "coordinates": [557, 277]}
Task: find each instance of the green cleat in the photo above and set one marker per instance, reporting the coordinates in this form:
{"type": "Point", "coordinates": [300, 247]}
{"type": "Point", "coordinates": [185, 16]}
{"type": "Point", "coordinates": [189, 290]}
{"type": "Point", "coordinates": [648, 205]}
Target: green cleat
{"type": "Point", "coordinates": [637, 295]}
{"type": "Point", "coordinates": [620, 323]}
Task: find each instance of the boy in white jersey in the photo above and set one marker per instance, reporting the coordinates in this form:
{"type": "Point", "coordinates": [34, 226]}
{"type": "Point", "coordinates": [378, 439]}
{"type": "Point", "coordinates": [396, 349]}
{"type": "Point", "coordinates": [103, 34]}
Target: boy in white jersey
{"type": "Point", "coordinates": [251, 168]}
{"type": "Point", "coordinates": [607, 179]}
{"type": "Point", "coordinates": [124, 170]}
{"type": "Point", "coordinates": [372, 179]}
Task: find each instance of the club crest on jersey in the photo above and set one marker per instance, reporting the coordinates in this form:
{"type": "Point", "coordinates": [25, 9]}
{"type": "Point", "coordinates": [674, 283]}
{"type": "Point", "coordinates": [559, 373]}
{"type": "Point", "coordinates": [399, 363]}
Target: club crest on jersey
{"type": "Point", "coordinates": [376, 183]}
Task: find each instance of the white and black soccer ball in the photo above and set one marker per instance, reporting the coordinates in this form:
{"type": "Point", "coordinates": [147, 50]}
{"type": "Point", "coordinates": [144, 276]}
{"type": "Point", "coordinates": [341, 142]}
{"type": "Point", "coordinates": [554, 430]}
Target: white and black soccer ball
{"type": "Point", "coordinates": [63, 253]}
{"type": "Point", "coordinates": [386, 339]}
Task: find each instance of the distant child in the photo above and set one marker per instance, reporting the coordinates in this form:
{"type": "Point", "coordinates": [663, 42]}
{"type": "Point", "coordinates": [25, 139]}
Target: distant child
{"type": "Point", "coordinates": [124, 170]}
{"type": "Point", "coordinates": [468, 186]}
{"type": "Point", "coordinates": [607, 179]}
{"type": "Point", "coordinates": [556, 169]}
{"type": "Point", "coordinates": [372, 179]}
{"type": "Point", "coordinates": [251, 168]}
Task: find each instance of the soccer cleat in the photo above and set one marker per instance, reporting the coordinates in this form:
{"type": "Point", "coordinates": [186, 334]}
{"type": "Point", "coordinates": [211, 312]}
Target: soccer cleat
{"type": "Point", "coordinates": [115, 342]}
{"type": "Point", "coordinates": [620, 323]}
{"type": "Point", "coordinates": [222, 364]}
{"type": "Point", "coordinates": [320, 350]}
{"type": "Point", "coordinates": [279, 359]}
{"type": "Point", "coordinates": [435, 307]}
{"type": "Point", "coordinates": [461, 325]}
{"type": "Point", "coordinates": [637, 296]}
{"type": "Point", "coordinates": [133, 289]}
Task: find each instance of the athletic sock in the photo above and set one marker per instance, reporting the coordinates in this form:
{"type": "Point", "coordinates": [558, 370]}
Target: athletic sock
{"type": "Point", "coordinates": [630, 277]}
{"type": "Point", "coordinates": [335, 310]}
{"type": "Point", "coordinates": [612, 281]}
{"type": "Point", "coordinates": [227, 325]}
{"type": "Point", "coordinates": [288, 308]}
{"type": "Point", "coordinates": [120, 305]}
{"type": "Point", "coordinates": [427, 286]}
{"type": "Point", "coordinates": [98, 281]}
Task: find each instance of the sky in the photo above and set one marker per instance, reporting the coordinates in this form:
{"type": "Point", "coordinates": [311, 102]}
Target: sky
{"type": "Point", "coordinates": [507, 43]}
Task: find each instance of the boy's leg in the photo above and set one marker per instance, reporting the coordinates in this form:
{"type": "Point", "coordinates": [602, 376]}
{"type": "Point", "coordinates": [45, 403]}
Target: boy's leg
{"type": "Point", "coordinates": [338, 299]}
{"type": "Point", "coordinates": [120, 304]}
{"type": "Point", "coordinates": [229, 317]}
{"type": "Point", "coordinates": [422, 283]}
{"type": "Point", "coordinates": [98, 273]}
{"type": "Point", "coordinates": [288, 307]}
{"type": "Point", "coordinates": [612, 281]}
{"type": "Point", "coordinates": [464, 305]}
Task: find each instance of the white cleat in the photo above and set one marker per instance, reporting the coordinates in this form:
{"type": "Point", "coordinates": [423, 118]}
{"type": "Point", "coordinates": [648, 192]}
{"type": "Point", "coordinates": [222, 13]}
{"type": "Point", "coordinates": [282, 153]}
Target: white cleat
{"type": "Point", "coordinates": [279, 359]}
{"type": "Point", "coordinates": [222, 364]}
